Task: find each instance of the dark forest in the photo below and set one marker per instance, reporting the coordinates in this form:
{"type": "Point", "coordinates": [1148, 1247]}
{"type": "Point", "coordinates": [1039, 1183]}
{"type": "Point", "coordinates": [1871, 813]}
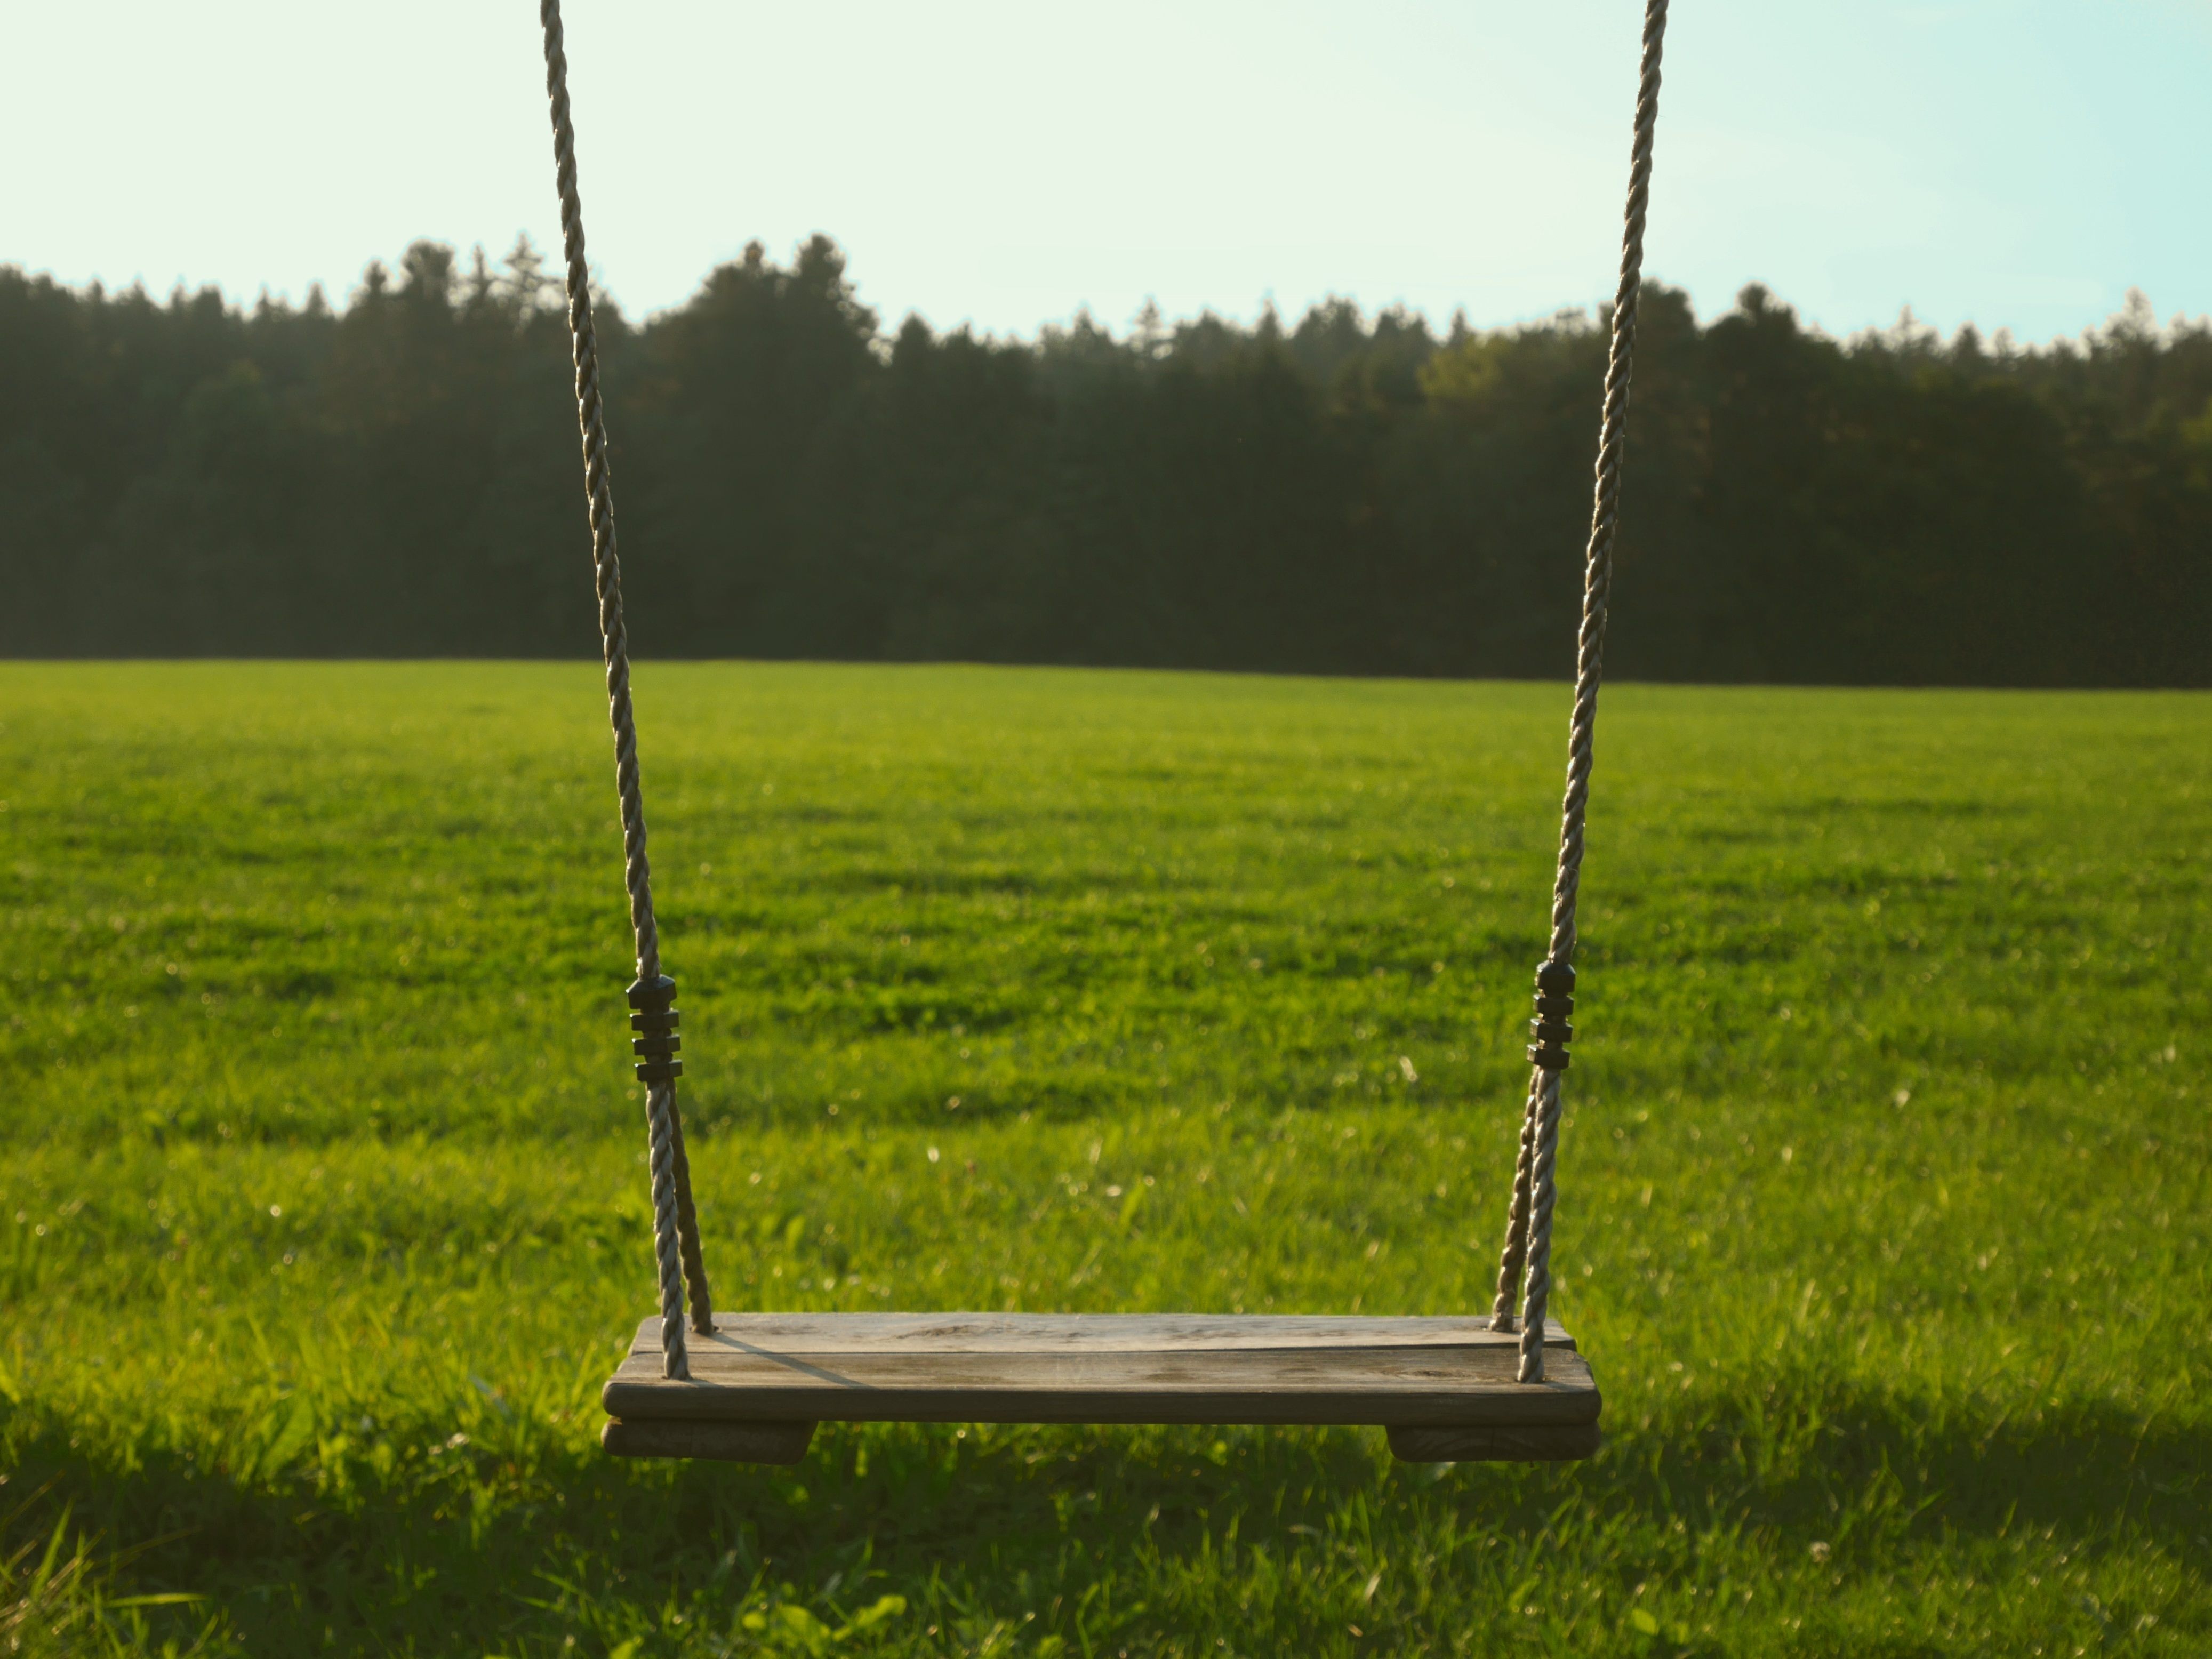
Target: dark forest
{"type": "Point", "coordinates": [1346, 495]}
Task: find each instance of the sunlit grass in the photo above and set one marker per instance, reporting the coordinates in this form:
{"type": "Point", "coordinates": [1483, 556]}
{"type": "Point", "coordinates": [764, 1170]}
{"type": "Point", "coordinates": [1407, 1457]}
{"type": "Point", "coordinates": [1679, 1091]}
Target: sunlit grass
{"type": "Point", "coordinates": [1886, 1182]}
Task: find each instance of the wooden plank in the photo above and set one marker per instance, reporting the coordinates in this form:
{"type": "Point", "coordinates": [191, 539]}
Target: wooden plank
{"type": "Point", "coordinates": [726, 1442]}
{"type": "Point", "coordinates": [1463, 1385]}
{"type": "Point", "coordinates": [1462, 1443]}
{"type": "Point", "coordinates": [1022, 1333]}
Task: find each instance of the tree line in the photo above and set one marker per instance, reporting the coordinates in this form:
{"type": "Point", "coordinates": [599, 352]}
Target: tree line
{"type": "Point", "coordinates": [1349, 494]}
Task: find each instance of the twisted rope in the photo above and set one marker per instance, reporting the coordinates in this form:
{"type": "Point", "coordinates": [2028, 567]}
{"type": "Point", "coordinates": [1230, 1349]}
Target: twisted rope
{"type": "Point", "coordinates": [675, 1223]}
{"type": "Point", "coordinates": [1516, 1252]}
{"type": "Point", "coordinates": [1535, 1188]}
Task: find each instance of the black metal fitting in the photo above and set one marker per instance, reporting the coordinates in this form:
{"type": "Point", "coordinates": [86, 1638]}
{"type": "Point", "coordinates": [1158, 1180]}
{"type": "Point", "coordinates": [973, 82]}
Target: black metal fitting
{"type": "Point", "coordinates": [656, 1020]}
{"type": "Point", "coordinates": [1555, 1000]}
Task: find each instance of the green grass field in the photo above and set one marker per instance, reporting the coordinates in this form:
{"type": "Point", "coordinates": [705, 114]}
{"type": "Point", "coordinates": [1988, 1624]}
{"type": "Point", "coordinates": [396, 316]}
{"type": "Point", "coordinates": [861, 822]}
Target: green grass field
{"type": "Point", "coordinates": [1885, 1222]}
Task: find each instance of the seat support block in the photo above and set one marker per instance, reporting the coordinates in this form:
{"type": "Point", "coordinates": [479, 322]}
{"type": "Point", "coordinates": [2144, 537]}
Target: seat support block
{"type": "Point", "coordinates": [725, 1443]}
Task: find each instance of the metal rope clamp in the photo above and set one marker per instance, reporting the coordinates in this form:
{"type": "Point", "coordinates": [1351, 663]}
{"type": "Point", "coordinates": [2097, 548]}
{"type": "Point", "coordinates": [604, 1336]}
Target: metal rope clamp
{"type": "Point", "coordinates": [1555, 1002]}
{"type": "Point", "coordinates": [655, 1020]}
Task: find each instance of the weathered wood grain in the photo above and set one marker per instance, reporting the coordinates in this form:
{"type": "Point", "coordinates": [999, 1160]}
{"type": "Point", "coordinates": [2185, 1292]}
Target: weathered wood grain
{"type": "Point", "coordinates": [1022, 1333]}
{"type": "Point", "coordinates": [1093, 1374]}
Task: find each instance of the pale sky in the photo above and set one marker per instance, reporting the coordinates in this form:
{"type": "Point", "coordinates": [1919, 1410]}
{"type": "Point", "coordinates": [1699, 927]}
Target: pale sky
{"type": "Point", "coordinates": [2019, 165]}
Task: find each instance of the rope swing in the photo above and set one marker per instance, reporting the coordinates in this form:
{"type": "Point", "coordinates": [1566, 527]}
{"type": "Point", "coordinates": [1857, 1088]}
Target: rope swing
{"type": "Point", "coordinates": [1509, 1385]}
{"type": "Point", "coordinates": [653, 995]}
{"type": "Point", "coordinates": [1529, 1218]}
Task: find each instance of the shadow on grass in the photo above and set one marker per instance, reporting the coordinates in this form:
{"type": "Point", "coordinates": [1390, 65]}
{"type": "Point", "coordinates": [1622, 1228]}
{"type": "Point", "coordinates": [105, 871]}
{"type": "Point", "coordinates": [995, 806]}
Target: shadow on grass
{"type": "Point", "coordinates": [479, 1539]}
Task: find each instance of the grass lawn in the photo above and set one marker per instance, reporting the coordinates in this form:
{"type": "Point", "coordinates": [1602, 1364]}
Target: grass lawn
{"type": "Point", "coordinates": [1887, 1179]}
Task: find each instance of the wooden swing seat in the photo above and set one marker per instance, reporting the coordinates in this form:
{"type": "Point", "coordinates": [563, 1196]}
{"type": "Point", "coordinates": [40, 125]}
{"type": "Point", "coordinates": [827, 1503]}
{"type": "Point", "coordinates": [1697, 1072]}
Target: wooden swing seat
{"type": "Point", "coordinates": [1444, 1388]}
